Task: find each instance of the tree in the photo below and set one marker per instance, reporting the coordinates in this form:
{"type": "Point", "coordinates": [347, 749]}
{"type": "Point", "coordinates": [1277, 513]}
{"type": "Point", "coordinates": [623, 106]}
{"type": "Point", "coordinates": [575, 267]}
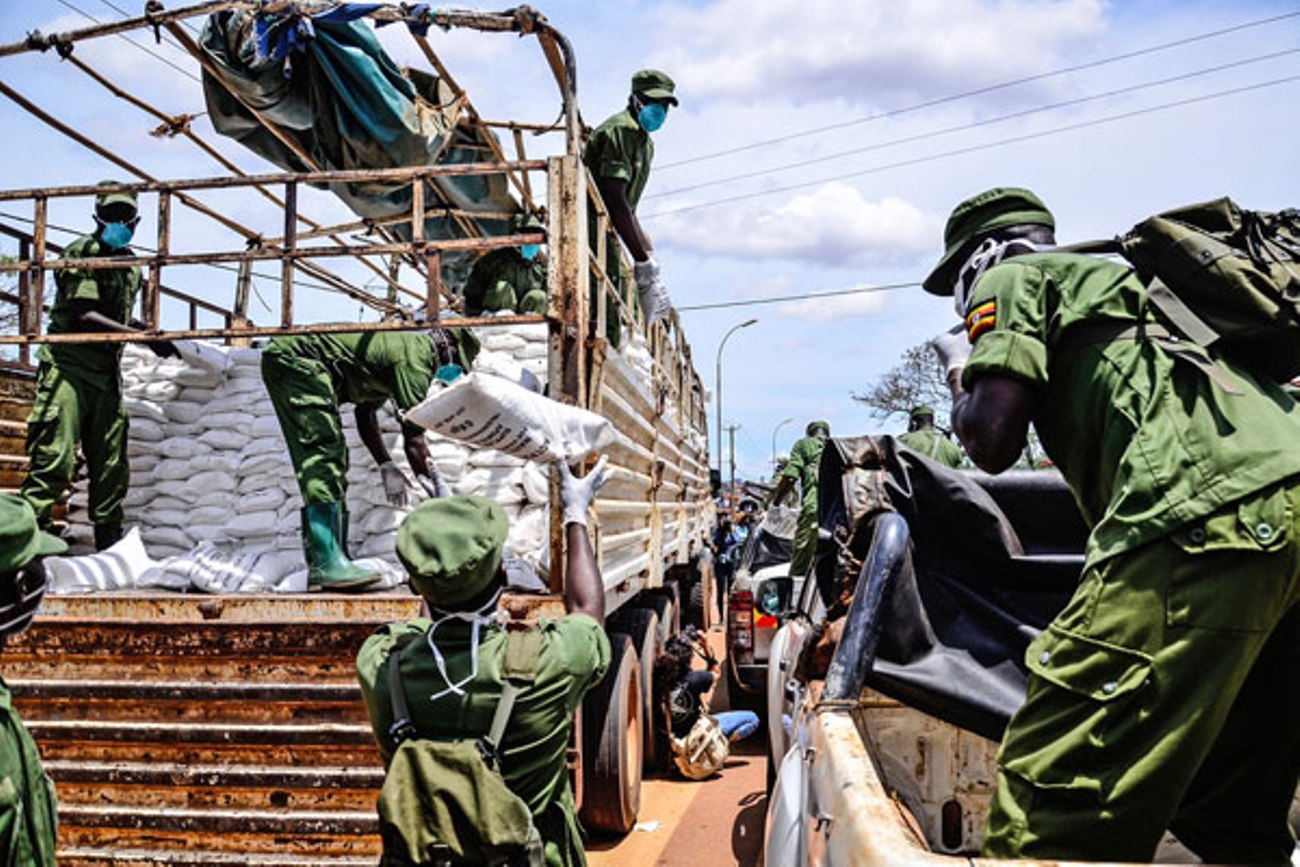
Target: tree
{"type": "Point", "coordinates": [916, 380]}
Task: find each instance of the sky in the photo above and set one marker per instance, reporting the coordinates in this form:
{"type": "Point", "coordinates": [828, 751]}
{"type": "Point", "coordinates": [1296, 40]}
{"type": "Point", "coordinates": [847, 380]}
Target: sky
{"type": "Point", "coordinates": [819, 147]}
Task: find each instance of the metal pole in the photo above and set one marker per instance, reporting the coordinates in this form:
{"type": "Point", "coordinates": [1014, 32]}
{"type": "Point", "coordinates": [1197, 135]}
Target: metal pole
{"type": "Point", "coordinates": [731, 438]}
{"type": "Point", "coordinates": [717, 383]}
{"type": "Point", "coordinates": [779, 425]}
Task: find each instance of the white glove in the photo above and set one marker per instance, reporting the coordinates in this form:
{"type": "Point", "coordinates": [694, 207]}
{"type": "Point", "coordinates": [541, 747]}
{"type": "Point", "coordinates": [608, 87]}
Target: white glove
{"type": "Point", "coordinates": [645, 273]}
{"type": "Point", "coordinates": [952, 348]}
{"type": "Point", "coordinates": [433, 484]}
{"type": "Point", "coordinates": [654, 301]}
{"type": "Point", "coordinates": [395, 483]}
{"type": "Point", "coordinates": [577, 493]}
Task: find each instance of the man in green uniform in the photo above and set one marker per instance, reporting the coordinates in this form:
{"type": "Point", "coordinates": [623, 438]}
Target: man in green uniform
{"type": "Point", "coordinates": [509, 278]}
{"type": "Point", "coordinates": [451, 666]}
{"type": "Point", "coordinates": [1164, 695]}
{"type": "Point", "coordinates": [307, 377]}
{"type": "Point", "coordinates": [78, 388]}
{"type": "Point", "coordinates": [923, 437]}
{"type": "Point", "coordinates": [805, 458]}
{"type": "Point", "coordinates": [619, 154]}
{"type": "Point", "coordinates": [28, 824]}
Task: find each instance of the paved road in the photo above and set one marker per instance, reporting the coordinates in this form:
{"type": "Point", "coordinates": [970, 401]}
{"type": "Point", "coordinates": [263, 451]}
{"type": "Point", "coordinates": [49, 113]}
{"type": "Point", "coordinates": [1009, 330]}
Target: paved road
{"type": "Point", "coordinates": [717, 821]}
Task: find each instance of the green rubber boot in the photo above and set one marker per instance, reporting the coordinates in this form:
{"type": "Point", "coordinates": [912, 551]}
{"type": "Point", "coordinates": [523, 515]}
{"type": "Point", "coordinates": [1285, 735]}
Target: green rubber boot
{"type": "Point", "coordinates": [328, 567]}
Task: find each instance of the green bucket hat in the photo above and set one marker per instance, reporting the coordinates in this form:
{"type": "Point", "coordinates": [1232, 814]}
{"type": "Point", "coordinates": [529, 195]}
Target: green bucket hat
{"type": "Point", "coordinates": [975, 218]}
{"type": "Point", "coordinates": [21, 541]}
{"type": "Point", "coordinates": [521, 224]}
{"type": "Point", "coordinates": [922, 410]}
{"type": "Point", "coordinates": [452, 547]}
{"type": "Point", "coordinates": [814, 426]}
{"type": "Point", "coordinates": [106, 200]}
{"type": "Point", "coordinates": [654, 84]}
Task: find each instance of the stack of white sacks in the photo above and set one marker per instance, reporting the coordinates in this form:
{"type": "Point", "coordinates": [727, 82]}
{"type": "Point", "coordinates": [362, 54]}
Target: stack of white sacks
{"type": "Point", "coordinates": [214, 496]}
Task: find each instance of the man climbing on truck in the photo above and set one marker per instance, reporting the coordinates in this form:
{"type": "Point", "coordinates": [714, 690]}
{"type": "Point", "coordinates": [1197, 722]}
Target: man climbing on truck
{"type": "Point", "coordinates": [619, 154]}
{"type": "Point", "coordinates": [801, 469]}
{"type": "Point", "coordinates": [454, 669]}
{"type": "Point", "coordinates": [1163, 695]}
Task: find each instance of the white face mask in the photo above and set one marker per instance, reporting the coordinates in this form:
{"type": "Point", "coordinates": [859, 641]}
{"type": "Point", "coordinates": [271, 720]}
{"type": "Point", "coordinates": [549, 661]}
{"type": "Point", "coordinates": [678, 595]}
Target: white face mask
{"type": "Point", "coordinates": [487, 615]}
{"type": "Point", "coordinates": [989, 253]}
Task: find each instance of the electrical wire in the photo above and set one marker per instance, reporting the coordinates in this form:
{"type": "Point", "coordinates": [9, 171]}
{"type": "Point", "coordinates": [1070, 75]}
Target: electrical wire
{"type": "Point", "coordinates": [126, 14]}
{"type": "Point", "coordinates": [146, 49]}
{"type": "Point", "coordinates": [1134, 88]}
{"type": "Point", "coordinates": [981, 147]}
{"type": "Point", "coordinates": [992, 88]}
{"type": "Point", "coordinates": [802, 296]}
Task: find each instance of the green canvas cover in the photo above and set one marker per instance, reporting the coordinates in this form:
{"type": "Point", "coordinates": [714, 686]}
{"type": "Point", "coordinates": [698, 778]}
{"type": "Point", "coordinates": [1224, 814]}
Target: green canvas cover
{"type": "Point", "coordinates": [327, 85]}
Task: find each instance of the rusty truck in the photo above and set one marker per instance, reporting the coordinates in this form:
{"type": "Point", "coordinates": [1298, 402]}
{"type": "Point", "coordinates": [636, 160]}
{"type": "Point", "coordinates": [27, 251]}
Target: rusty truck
{"type": "Point", "coordinates": [187, 728]}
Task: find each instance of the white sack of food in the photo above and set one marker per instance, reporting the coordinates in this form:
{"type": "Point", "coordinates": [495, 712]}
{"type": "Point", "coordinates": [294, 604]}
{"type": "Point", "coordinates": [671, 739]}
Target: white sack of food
{"type": "Point", "coordinates": [184, 411]}
{"type": "Point", "coordinates": [145, 430]}
{"type": "Point", "coordinates": [206, 357]}
{"type": "Point", "coordinates": [116, 568]}
{"type": "Point", "coordinates": [138, 408]}
{"type": "Point", "coordinates": [197, 394]}
{"type": "Point", "coordinates": [252, 524]}
{"type": "Point", "coordinates": [489, 412]}
{"type": "Point", "coordinates": [226, 438]}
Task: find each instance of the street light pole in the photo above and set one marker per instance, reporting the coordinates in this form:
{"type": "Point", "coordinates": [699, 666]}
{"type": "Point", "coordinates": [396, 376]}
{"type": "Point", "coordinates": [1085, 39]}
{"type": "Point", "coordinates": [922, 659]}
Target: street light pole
{"type": "Point", "coordinates": [717, 384]}
{"type": "Point", "coordinates": [780, 424]}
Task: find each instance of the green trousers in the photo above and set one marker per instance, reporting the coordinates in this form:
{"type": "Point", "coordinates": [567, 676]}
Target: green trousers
{"type": "Point", "coordinates": [308, 409]}
{"type": "Point", "coordinates": [804, 546]}
{"type": "Point", "coordinates": [1165, 696]}
{"type": "Point", "coordinates": [72, 409]}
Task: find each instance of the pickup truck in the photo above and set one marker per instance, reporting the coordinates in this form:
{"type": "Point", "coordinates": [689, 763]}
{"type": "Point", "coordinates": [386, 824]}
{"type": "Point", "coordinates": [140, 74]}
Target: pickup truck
{"type": "Point", "coordinates": [886, 744]}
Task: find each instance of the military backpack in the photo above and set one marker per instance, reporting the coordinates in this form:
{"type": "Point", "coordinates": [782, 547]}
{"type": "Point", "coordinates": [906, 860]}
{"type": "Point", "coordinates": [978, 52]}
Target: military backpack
{"type": "Point", "coordinates": [1222, 277]}
{"type": "Point", "coordinates": [444, 802]}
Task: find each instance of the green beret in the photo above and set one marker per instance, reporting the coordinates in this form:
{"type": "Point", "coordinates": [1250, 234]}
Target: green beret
{"type": "Point", "coordinates": [922, 410]}
{"type": "Point", "coordinates": [814, 426]}
{"type": "Point", "coordinates": [107, 199]}
{"type": "Point", "coordinates": [654, 84]}
{"type": "Point", "coordinates": [452, 547]}
{"type": "Point", "coordinates": [21, 541]}
{"type": "Point", "coordinates": [977, 217]}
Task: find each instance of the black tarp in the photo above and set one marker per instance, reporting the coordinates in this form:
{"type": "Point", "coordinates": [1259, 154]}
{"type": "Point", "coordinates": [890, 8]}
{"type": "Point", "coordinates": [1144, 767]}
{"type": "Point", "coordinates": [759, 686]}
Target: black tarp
{"type": "Point", "coordinates": [980, 581]}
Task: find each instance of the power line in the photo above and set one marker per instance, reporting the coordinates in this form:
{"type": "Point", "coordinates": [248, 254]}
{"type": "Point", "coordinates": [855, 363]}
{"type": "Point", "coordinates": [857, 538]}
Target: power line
{"type": "Point", "coordinates": [943, 100]}
{"type": "Point", "coordinates": [126, 14]}
{"type": "Point", "coordinates": [803, 296]}
{"type": "Point", "coordinates": [146, 49]}
{"type": "Point", "coordinates": [981, 147]}
{"type": "Point", "coordinates": [976, 124]}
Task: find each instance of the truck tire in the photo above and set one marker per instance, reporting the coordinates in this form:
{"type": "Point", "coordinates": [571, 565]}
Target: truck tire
{"type": "Point", "coordinates": [611, 743]}
{"type": "Point", "coordinates": [662, 604]}
{"type": "Point", "coordinates": [642, 626]}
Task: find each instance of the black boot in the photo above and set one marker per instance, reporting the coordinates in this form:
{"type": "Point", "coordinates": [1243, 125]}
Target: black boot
{"type": "Point", "coordinates": [107, 535]}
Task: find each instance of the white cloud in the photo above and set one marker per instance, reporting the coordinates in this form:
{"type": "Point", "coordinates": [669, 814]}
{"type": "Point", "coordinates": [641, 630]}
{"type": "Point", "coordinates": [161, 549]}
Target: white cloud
{"type": "Point", "coordinates": [859, 52]}
{"type": "Point", "coordinates": [835, 308]}
{"type": "Point", "coordinates": [832, 225]}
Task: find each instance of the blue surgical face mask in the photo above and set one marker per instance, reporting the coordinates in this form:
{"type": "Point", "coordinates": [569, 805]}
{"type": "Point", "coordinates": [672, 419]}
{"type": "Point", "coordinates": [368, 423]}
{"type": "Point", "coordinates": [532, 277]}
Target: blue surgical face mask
{"type": "Point", "coordinates": [651, 116]}
{"type": "Point", "coordinates": [116, 235]}
{"type": "Point", "coordinates": [530, 251]}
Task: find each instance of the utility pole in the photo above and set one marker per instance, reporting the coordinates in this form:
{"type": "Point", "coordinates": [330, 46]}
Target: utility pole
{"type": "Point", "coordinates": [731, 438]}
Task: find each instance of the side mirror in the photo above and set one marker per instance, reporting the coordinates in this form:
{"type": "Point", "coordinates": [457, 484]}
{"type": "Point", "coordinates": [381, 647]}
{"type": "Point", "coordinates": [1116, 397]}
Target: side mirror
{"type": "Point", "coordinates": [773, 597]}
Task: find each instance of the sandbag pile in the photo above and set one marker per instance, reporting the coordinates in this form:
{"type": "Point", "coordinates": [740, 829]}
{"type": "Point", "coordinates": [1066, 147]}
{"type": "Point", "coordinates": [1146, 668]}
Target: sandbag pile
{"type": "Point", "coordinates": [214, 494]}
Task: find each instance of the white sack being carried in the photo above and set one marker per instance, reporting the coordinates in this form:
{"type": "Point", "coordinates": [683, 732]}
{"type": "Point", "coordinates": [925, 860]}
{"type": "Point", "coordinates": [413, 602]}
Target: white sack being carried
{"type": "Point", "coordinates": [116, 568]}
{"type": "Point", "coordinates": [490, 412]}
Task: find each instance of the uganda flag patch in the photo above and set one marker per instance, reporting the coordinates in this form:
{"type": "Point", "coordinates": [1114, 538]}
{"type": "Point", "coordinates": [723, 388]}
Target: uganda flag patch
{"type": "Point", "coordinates": [981, 319]}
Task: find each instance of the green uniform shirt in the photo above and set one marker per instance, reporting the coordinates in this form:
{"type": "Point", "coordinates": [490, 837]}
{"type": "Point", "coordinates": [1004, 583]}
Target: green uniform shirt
{"type": "Point", "coordinates": [504, 265]}
{"type": "Point", "coordinates": [110, 292]}
{"type": "Point", "coordinates": [1146, 443]}
{"type": "Point", "coordinates": [933, 445]}
{"type": "Point", "coordinates": [620, 150]}
{"type": "Point", "coordinates": [805, 458]}
{"type": "Point", "coordinates": [369, 368]}
{"type": "Point", "coordinates": [575, 654]}
{"type": "Point", "coordinates": [28, 823]}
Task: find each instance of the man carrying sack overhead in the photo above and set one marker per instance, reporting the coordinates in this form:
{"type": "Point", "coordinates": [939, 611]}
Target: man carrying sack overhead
{"type": "Point", "coordinates": [461, 705]}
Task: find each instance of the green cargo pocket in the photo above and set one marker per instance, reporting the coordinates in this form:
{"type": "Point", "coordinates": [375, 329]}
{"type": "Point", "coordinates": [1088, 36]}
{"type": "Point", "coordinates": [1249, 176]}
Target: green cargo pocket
{"type": "Point", "coordinates": [1059, 741]}
{"type": "Point", "coordinates": [1235, 573]}
{"type": "Point", "coordinates": [1086, 666]}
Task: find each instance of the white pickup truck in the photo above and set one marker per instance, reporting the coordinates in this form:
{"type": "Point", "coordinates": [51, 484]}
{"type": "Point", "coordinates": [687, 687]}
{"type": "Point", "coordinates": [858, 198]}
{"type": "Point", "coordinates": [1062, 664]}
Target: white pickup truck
{"type": "Point", "coordinates": [887, 749]}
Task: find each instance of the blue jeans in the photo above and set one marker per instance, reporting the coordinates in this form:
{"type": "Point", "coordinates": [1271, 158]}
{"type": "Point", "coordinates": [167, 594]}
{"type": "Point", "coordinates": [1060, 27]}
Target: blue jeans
{"type": "Point", "coordinates": [737, 724]}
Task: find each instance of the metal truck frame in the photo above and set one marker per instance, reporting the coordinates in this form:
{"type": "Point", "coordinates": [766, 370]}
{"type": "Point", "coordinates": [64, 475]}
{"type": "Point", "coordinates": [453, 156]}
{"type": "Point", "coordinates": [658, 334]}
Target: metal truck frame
{"type": "Point", "coordinates": [259, 694]}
